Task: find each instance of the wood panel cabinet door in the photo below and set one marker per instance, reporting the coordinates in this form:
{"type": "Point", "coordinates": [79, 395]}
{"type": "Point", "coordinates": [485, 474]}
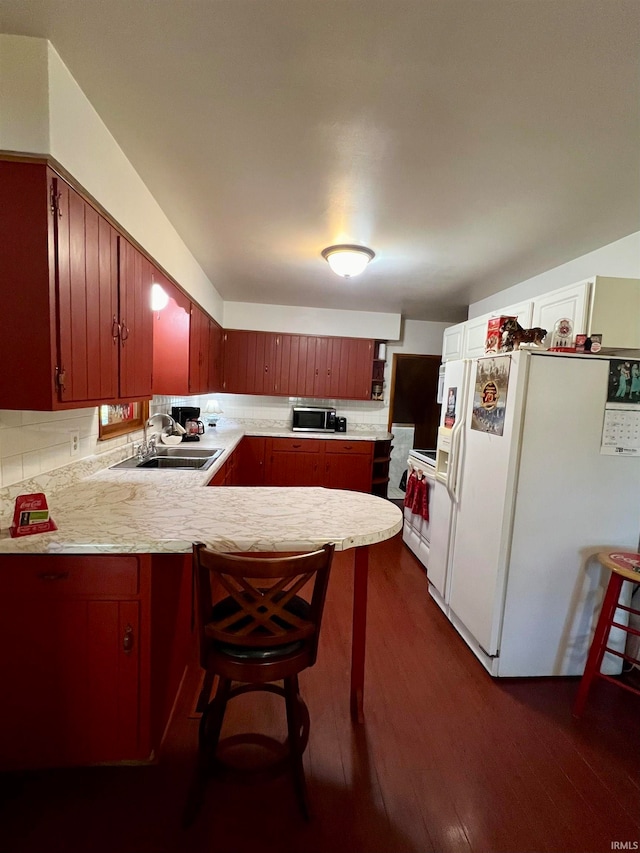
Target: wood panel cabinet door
{"type": "Point", "coordinates": [215, 357]}
{"type": "Point", "coordinates": [294, 462]}
{"type": "Point", "coordinates": [347, 472]}
{"type": "Point", "coordinates": [70, 687]}
{"type": "Point", "coordinates": [88, 330]}
{"type": "Point", "coordinates": [249, 362]}
{"type": "Point", "coordinates": [235, 378]}
{"type": "Point", "coordinates": [343, 368]}
{"type": "Point", "coordinates": [136, 323]}
{"type": "Point", "coordinates": [198, 351]}
{"type": "Point", "coordinates": [355, 369]}
{"type": "Point", "coordinates": [295, 365]}
{"type": "Point", "coordinates": [171, 341]}
{"type": "Point", "coordinates": [348, 465]}
{"type": "Point", "coordinates": [250, 461]}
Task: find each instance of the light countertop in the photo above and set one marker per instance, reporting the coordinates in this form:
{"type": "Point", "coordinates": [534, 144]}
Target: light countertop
{"type": "Point", "coordinates": [151, 511]}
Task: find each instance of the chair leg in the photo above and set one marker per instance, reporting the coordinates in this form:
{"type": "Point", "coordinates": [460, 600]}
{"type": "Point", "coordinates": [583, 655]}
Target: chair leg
{"type": "Point", "coordinates": [599, 642]}
{"type": "Point", "coordinates": [292, 697]}
{"type": "Point", "coordinates": [211, 721]}
{"type": "Point", "coordinates": [208, 737]}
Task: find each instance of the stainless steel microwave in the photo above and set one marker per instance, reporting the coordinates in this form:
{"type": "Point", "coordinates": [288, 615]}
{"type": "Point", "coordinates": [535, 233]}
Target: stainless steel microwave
{"type": "Point", "coordinates": [311, 419]}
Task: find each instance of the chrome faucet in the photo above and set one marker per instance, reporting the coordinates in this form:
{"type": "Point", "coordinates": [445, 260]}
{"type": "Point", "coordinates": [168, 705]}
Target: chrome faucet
{"type": "Point", "coordinates": [148, 446]}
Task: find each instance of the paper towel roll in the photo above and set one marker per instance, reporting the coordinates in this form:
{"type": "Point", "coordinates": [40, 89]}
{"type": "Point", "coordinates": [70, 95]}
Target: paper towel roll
{"type": "Point", "coordinates": [382, 351]}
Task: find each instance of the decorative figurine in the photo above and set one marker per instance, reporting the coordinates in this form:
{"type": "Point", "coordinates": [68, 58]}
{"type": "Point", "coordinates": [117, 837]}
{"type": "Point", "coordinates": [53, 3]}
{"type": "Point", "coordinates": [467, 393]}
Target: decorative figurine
{"type": "Point", "coordinates": [513, 335]}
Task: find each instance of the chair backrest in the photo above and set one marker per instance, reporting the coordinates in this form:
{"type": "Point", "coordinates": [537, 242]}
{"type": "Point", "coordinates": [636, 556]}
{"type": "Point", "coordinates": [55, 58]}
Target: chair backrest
{"type": "Point", "coordinates": [268, 608]}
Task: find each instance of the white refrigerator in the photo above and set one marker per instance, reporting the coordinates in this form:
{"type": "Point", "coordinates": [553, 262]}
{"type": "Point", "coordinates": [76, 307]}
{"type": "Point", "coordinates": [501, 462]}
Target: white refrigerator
{"type": "Point", "coordinates": [524, 500]}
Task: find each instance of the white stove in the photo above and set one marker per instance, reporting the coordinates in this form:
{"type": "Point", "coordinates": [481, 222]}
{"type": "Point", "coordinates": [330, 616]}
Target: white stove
{"type": "Point", "coordinates": [426, 456]}
{"type": "Point", "coordinates": [416, 531]}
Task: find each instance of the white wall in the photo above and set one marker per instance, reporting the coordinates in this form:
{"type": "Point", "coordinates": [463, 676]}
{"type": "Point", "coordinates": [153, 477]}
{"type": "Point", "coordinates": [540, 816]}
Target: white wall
{"type": "Point", "coordinates": [621, 258]}
{"type": "Point", "coordinates": [311, 321]}
{"type": "Point", "coordinates": [44, 111]}
{"type": "Point", "coordinates": [24, 107]}
{"type": "Point", "coordinates": [418, 337]}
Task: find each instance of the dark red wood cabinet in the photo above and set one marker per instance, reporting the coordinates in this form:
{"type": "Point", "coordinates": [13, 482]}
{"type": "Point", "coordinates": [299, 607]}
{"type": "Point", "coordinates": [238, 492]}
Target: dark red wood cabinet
{"type": "Point", "coordinates": [348, 465]}
{"type": "Point", "coordinates": [250, 466]}
{"type": "Point", "coordinates": [334, 464]}
{"type": "Point", "coordinates": [249, 362]}
{"type": "Point", "coordinates": [92, 651]}
{"type": "Point", "coordinates": [171, 328]}
{"type": "Point", "coordinates": [297, 365]}
{"type": "Point", "coordinates": [187, 346]}
{"type": "Point", "coordinates": [136, 323]}
{"type": "Point", "coordinates": [293, 462]}
{"type": "Point", "coordinates": [76, 295]}
{"type": "Point", "coordinates": [204, 353]}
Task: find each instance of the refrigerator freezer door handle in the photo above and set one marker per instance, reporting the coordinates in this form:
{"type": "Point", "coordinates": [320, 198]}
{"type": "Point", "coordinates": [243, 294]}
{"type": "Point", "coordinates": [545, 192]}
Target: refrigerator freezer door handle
{"type": "Point", "coordinates": [452, 473]}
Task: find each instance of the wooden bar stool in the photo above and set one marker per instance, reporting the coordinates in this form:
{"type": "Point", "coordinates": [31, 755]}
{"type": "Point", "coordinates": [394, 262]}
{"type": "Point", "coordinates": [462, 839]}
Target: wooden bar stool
{"type": "Point", "coordinates": [624, 566]}
{"type": "Point", "coordinates": [264, 628]}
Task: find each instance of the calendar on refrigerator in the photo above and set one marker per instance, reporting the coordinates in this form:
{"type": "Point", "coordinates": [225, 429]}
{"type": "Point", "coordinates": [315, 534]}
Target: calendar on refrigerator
{"type": "Point", "coordinates": [621, 430]}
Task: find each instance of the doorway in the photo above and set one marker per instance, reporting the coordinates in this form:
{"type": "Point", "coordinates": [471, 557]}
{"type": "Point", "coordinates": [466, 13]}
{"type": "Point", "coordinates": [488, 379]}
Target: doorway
{"type": "Point", "coordinates": [414, 413]}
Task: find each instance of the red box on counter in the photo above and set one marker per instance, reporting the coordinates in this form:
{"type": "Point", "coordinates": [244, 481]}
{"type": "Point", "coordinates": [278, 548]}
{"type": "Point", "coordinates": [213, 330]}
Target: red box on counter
{"type": "Point", "coordinates": [493, 341]}
{"type": "Point", "coordinates": [31, 515]}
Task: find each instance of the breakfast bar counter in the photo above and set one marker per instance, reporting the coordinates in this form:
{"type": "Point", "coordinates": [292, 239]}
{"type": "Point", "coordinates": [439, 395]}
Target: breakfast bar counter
{"type": "Point", "coordinates": [119, 565]}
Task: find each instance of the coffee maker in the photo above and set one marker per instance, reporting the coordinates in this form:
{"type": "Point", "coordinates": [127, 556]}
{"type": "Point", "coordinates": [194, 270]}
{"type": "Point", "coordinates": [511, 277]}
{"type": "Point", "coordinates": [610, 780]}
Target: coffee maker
{"type": "Point", "coordinates": [188, 418]}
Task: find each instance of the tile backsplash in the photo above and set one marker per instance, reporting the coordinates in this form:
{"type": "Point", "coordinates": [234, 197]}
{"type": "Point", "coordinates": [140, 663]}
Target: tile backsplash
{"type": "Point", "coordinates": [35, 443]}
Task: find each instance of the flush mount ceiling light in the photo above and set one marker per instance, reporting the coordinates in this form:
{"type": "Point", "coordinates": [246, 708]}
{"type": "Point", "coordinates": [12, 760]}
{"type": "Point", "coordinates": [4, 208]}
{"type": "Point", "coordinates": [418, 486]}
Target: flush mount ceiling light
{"type": "Point", "coordinates": [347, 260]}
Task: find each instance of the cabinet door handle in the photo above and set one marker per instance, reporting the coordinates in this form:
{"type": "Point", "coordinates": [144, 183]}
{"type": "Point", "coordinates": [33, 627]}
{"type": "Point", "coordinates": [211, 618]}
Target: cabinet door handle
{"type": "Point", "coordinates": [127, 640]}
{"type": "Point", "coordinates": [53, 576]}
{"type": "Point", "coordinates": [295, 446]}
{"type": "Point", "coordinates": [115, 329]}
{"type": "Point", "coordinates": [124, 332]}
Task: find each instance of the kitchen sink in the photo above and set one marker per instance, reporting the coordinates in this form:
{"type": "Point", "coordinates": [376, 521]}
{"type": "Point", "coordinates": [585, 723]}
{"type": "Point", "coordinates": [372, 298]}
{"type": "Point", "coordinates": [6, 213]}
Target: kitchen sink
{"type": "Point", "coordinates": [175, 458]}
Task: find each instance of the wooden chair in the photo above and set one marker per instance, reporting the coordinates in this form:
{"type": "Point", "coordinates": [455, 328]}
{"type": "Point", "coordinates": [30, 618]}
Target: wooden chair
{"type": "Point", "coordinates": [265, 629]}
{"type": "Point", "coordinates": [624, 566]}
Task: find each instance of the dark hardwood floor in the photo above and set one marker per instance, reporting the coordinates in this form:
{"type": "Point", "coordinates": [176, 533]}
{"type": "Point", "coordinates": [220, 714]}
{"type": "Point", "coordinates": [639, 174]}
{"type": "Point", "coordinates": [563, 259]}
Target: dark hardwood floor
{"type": "Point", "coordinates": [449, 760]}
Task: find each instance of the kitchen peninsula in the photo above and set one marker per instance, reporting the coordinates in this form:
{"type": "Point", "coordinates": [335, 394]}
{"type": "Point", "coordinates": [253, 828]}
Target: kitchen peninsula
{"type": "Point", "coordinates": [97, 630]}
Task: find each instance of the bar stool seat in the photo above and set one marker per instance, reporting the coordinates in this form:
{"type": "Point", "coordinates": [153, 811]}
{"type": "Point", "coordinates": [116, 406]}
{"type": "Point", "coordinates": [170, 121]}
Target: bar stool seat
{"type": "Point", "coordinates": [624, 566]}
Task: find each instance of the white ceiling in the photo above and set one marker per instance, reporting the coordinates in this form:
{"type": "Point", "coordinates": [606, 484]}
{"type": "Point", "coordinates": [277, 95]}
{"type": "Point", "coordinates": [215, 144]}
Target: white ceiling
{"type": "Point", "coordinates": [471, 144]}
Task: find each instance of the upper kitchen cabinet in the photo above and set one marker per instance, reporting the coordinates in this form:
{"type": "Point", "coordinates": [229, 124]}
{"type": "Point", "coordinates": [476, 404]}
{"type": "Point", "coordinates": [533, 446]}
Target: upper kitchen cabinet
{"type": "Point", "coordinates": [453, 342]}
{"type": "Point", "coordinates": [249, 362]}
{"type": "Point", "coordinates": [75, 295]}
{"type": "Point", "coordinates": [216, 333]}
{"type": "Point", "coordinates": [566, 302]}
{"type": "Point", "coordinates": [343, 368]}
{"type": "Point", "coordinates": [475, 333]}
{"type": "Point", "coordinates": [136, 323]}
{"type": "Point", "coordinates": [171, 354]}
{"type": "Point", "coordinates": [297, 365]}
{"type": "Point", "coordinates": [614, 311]}
{"type": "Point", "coordinates": [205, 349]}
{"type": "Point", "coordinates": [186, 345]}
{"type": "Point", "coordinates": [604, 305]}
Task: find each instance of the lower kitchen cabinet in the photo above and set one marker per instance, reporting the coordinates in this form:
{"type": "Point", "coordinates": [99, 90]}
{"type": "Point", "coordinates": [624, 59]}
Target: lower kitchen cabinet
{"type": "Point", "coordinates": [250, 462]}
{"type": "Point", "coordinates": [334, 464]}
{"type": "Point", "coordinates": [294, 462]}
{"type": "Point", "coordinates": [348, 465]}
{"type": "Point", "coordinates": [92, 650]}
{"type": "Point", "coordinates": [227, 475]}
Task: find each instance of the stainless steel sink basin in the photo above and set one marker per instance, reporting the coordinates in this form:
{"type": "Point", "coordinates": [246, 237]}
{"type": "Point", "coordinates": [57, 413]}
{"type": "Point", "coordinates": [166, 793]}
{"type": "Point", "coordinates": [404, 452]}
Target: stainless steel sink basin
{"type": "Point", "coordinates": [175, 458]}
